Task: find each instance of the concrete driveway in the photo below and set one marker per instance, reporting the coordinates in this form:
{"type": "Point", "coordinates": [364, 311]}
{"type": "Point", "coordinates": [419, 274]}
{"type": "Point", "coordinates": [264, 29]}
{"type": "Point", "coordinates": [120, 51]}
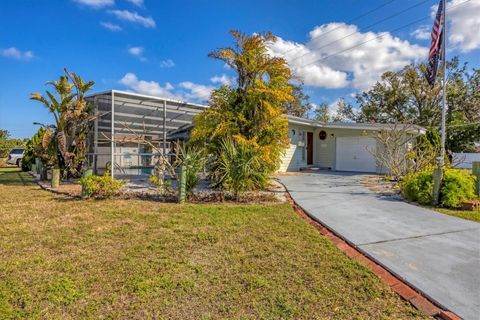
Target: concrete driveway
{"type": "Point", "coordinates": [437, 254]}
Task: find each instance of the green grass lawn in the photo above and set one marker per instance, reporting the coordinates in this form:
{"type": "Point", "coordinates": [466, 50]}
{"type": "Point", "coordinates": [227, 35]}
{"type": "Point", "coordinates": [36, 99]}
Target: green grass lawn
{"type": "Point", "coordinates": [464, 214]}
{"type": "Point", "coordinates": [132, 259]}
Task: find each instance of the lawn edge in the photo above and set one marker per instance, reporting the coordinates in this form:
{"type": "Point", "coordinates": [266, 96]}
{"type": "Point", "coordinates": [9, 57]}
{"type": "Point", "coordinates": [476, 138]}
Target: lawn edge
{"type": "Point", "coordinates": [400, 286]}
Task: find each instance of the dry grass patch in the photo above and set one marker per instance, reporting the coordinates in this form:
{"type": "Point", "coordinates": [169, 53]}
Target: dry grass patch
{"type": "Point", "coordinates": [133, 259]}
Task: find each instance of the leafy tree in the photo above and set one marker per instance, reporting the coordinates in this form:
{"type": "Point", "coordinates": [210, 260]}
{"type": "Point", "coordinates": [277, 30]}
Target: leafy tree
{"type": "Point", "coordinates": [406, 96]}
{"type": "Point", "coordinates": [425, 151]}
{"type": "Point", "coordinates": [299, 106]}
{"type": "Point", "coordinates": [345, 112]}
{"type": "Point", "coordinates": [251, 112]}
{"type": "Point", "coordinates": [321, 113]}
{"type": "Point", "coordinates": [67, 137]}
{"type": "Point", "coordinates": [463, 113]}
{"type": "Point", "coordinates": [7, 143]}
{"type": "Point", "coordinates": [400, 97]}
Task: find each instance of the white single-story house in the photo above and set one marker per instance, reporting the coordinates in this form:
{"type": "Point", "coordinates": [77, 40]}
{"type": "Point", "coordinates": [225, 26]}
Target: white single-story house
{"type": "Point", "coordinates": [333, 146]}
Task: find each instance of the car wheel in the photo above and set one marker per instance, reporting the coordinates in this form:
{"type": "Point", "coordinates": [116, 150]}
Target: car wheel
{"type": "Point", "coordinates": [19, 162]}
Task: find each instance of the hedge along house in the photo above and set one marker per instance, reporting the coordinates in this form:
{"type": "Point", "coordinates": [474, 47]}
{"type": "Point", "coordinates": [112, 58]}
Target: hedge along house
{"type": "Point", "coordinates": [335, 146]}
{"type": "Point", "coordinates": [125, 120]}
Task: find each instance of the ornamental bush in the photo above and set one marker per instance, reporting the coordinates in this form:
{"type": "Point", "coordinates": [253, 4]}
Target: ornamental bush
{"type": "Point", "coordinates": [194, 159]}
{"type": "Point", "coordinates": [100, 186]}
{"type": "Point", "coordinates": [457, 186]}
{"type": "Point", "coordinates": [239, 167]}
{"type": "Point", "coordinates": [418, 187]}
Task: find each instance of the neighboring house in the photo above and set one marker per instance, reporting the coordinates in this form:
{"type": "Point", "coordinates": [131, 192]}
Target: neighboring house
{"type": "Point", "coordinates": [334, 146]}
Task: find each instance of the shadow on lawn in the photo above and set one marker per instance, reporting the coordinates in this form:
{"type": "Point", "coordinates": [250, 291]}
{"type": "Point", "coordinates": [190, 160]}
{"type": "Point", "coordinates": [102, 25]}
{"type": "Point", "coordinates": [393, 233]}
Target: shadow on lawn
{"type": "Point", "coordinates": [15, 177]}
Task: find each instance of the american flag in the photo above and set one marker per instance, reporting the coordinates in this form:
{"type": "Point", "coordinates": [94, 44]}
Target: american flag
{"type": "Point", "coordinates": [435, 48]}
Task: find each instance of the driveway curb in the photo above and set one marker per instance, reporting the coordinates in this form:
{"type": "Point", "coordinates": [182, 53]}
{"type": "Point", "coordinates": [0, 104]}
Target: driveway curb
{"type": "Point", "coordinates": [398, 285]}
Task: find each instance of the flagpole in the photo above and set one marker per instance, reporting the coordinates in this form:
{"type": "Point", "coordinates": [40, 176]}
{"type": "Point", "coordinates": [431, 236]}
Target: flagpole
{"type": "Point", "coordinates": [444, 98]}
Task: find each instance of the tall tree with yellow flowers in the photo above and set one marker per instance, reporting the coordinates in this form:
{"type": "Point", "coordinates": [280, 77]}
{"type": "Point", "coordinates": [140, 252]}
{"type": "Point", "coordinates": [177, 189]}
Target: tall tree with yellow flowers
{"type": "Point", "coordinates": [251, 111]}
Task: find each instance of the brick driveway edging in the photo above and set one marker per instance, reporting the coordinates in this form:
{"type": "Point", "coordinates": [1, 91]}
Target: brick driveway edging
{"type": "Point", "coordinates": [399, 286]}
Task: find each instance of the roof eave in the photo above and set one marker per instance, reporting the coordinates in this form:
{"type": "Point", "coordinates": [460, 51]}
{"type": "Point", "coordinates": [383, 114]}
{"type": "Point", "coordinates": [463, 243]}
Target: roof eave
{"type": "Point", "coordinates": [144, 96]}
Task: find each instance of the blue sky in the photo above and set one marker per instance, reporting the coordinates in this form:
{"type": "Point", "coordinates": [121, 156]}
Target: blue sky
{"type": "Point", "coordinates": [161, 47]}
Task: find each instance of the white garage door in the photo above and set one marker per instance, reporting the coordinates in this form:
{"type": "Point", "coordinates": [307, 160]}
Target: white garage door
{"type": "Point", "coordinates": [355, 154]}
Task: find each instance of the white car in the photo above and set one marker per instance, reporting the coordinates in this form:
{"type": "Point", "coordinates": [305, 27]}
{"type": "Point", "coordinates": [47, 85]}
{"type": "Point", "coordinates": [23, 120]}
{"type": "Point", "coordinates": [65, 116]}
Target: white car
{"type": "Point", "coordinates": [15, 156]}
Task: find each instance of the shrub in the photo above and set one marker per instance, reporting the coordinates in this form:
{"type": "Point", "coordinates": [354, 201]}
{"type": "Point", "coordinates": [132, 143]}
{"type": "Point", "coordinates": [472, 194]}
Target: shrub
{"type": "Point", "coordinates": [34, 148]}
{"type": "Point", "coordinates": [193, 157]}
{"type": "Point", "coordinates": [418, 187]}
{"type": "Point", "coordinates": [100, 186]}
{"type": "Point", "coordinates": [28, 159]}
{"type": "Point", "coordinates": [458, 186]}
{"type": "Point", "coordinates": [160, 183]}
{"type": "Point", "coordinates": [239, 167]}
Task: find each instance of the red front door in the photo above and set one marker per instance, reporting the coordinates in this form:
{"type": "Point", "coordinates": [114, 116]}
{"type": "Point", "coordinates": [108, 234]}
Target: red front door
{"type": "Point", "coordinates": [309, 148]}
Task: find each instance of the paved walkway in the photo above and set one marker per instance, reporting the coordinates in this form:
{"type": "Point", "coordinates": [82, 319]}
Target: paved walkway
{"type": "Point", "coordinates": [437, 254]}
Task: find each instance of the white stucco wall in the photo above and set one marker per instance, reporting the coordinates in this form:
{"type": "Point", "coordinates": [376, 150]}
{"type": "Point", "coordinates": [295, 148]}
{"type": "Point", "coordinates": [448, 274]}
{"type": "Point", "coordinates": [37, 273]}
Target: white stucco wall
{"type": "Point", "coordinates": [296, 155]}
{"type": "Point", "coordinates": [324, 151]}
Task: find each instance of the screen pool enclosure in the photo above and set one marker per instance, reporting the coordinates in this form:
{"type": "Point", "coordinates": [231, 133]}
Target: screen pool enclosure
{"type": "Point", "coordinates": [126, 126]}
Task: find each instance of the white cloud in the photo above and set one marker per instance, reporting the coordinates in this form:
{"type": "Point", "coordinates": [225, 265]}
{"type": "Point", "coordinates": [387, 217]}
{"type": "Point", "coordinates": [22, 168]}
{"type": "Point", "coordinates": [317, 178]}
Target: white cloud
{"type": "Point", "coordinates": [463, 24]}
{"type": "Point", "coordinates": [134, 17]}
{"type": "Point", "coordinates": [422, 33]}
{"type": "Point", "coordinates": [322, 76]}
{"type": "Point", "coordinates": [110, 26]}
{"type": "Point", "coordinates": [138, 3]}
{"type": "Point", "coordinates": [189, 91]}
{"type": "Point", "coordinates": [152, 88]}
{"type": "Point", "coordinates": [136, 51]}
{"type": "Point", "coordinates": [14, 53]}
{"type": "Point", "coordinates": [168, 63]}
{"type": "Point", "coordinates": [185, 91]}
{"type": "Point", "coordinates": [223, 80]}
{"type": "Point", "coordinates": [339, 55]}
{"type": "Point", "coordinates": [196, 91]}
{"type": "Point", "coordinates": [96, 4]}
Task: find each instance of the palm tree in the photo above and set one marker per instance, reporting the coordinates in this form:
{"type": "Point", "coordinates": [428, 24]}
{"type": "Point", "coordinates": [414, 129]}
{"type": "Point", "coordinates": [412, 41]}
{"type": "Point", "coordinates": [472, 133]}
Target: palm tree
{"type": "Point", "coordinates": [72, 114]}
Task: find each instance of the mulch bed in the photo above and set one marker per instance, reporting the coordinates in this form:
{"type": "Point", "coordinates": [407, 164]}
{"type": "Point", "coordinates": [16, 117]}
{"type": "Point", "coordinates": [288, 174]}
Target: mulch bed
{"type": "Point", "coordinates": [274, 193]}
{"type": "Point", "coordinates": [378, 184]}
